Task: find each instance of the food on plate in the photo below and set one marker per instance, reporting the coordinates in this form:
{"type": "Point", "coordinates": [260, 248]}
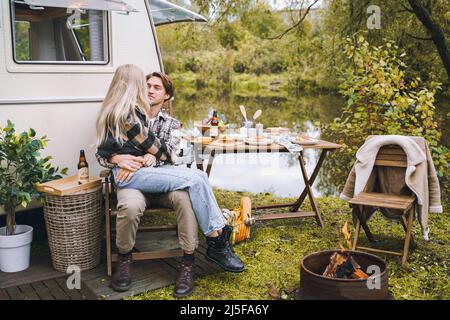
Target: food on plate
{"type": "Point", "coordinates": [278, 130]}
{"type": "Point", "coordinates": [204, 140]}
{"type": "Point", "coordinates": [226, 142]}
{"type": "Point", "coordinates": [305, 140]}
{"type": "Point", "coordinates": [227, 139]}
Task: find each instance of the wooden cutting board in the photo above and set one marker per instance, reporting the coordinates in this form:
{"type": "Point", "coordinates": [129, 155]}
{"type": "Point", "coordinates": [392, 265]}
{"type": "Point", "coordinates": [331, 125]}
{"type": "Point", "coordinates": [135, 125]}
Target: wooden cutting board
{"type": "Point", "coordinates": [69, 185]}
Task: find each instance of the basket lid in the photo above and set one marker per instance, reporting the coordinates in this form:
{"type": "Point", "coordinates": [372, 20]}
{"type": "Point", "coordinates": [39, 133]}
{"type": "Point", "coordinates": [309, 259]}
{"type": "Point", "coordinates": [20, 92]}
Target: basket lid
{"type": "Point", "coordinates": [69, 186]}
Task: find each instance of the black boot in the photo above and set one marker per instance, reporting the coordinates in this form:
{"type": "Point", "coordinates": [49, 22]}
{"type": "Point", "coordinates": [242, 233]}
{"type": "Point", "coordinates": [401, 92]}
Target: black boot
{"type": "Point", "coordinates": [121, 280]}
{"type": "Point", "coordinates": [221, 252]}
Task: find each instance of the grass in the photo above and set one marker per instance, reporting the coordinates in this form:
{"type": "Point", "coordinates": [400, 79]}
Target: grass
{"type": "Point", "coordinates": [273, 253]}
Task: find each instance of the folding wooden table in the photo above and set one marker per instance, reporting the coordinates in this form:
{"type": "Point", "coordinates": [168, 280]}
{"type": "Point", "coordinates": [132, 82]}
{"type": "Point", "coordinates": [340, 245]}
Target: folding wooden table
{"type": "Point", "coordinates": [213, 149]}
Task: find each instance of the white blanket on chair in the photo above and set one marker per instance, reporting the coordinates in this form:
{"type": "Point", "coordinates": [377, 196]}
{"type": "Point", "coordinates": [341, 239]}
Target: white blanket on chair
{"type": "Point", "coordinates": [420, 176]}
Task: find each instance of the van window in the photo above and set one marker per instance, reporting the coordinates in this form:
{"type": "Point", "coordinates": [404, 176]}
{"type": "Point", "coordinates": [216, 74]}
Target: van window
{"type": "Point", "coordinates": [58, 35]}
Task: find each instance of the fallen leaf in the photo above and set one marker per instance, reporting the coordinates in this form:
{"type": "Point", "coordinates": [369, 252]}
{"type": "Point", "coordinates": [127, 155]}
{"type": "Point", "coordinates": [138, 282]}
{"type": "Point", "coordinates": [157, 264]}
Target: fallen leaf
{"type": "Point", "coordinates": [273, 292]}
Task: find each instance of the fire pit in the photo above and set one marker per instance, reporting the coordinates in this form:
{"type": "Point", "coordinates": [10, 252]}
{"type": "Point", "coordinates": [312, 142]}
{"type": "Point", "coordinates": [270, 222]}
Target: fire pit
{"type": "Point", "coordinates": [314, 285]}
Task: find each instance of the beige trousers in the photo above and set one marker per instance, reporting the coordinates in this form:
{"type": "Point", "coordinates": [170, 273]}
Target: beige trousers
{"type": "Point", "coordinates": [131, 204]}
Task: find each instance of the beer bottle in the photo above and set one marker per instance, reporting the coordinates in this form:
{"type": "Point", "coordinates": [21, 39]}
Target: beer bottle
{"type": "Point", "coordinates": [214, 130]}
{"type": "Point", "coordinates": [83, 169]}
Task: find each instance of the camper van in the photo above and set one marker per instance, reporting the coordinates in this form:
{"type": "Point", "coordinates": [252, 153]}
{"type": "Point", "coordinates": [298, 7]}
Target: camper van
{"type": "Point", "coordinates": [57, 58]}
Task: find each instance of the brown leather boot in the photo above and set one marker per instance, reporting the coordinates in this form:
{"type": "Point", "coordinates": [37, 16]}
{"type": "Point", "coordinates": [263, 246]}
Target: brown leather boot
{"type": "Point", "coordinates": [185, 282]}
{"type": "Point", "coordinates": [121, 280]}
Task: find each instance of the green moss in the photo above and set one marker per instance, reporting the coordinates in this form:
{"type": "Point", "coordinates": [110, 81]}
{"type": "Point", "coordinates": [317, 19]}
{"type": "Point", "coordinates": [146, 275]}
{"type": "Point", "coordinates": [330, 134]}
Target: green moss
{"type": "Point", "coordinates": [273, 253]}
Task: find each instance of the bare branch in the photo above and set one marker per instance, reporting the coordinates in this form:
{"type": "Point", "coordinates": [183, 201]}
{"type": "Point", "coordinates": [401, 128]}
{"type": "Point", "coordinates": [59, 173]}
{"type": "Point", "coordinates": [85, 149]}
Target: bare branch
{"type": "Point", "coordinates": [295, 25]}
{"type": "Point", "coordinates": [418, 38]}
{"type": "Point", "coordinates": [406, 8]}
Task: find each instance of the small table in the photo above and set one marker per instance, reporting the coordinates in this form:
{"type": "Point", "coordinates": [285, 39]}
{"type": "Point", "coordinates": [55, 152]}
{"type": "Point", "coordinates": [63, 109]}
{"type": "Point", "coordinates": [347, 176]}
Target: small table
{"type": "Point", "coordinates": [325, 146]}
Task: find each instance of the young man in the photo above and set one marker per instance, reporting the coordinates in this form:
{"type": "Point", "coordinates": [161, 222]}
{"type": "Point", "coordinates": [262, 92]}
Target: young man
{"type": "Point", "coordinates": [132, 202]}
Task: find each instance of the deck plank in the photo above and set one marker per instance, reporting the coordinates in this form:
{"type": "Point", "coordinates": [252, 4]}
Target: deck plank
{"type": "Point", "coordinates": [163, 264]}
{"type": "Point", "coordinates": [15, 293]}
{"type": "Point", "coordinates": [28, 292]}
{"type": "Point", "coordinates": [73, 294]}
{"type": "Point", "coordinates": [56, 290]}
{"type": "Point", "coordinates": [41, 281]}
{"type": "Point", "coordinates": [49, 289]}
{"type": "Point", "coordinates": [40, 269]}
{"type": "Point", "coordinates": [42, 290]}
{"type": "Point", "coordinates": [4, 295]}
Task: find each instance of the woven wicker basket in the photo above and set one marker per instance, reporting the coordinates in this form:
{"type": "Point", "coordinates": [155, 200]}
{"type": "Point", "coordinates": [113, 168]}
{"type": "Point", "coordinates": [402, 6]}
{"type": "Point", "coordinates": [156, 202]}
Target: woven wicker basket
{"type": "Point", "coordinates": [74, 229]}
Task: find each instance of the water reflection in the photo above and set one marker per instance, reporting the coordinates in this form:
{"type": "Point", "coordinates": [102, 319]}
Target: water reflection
{"type": "Point", "coordinates": [278, 173]}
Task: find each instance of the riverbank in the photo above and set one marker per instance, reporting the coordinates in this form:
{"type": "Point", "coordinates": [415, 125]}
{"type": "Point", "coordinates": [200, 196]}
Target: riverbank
{"type": "Point", "coordinates": [279, 85]}
{"type": "Point", "coordinates": [272, 255]}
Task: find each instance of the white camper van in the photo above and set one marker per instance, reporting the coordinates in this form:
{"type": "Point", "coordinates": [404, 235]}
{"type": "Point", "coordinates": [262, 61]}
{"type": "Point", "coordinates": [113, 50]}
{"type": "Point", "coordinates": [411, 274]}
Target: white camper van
{"type": "Point", "coordinates": [57, 58]}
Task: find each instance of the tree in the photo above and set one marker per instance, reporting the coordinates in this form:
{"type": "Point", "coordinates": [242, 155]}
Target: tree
{"type": "Point", "coordinates": [401, 24]}
{"type": "Point", "coordinates": [437, 33]}
{"type": "Point", "coordinates": [380, 101]}
{"type": "Point", "coordinates": [21, 169]}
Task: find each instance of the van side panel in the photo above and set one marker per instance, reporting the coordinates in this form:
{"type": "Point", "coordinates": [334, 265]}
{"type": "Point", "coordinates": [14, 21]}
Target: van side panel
{"type": "Point", "coordinates": [62, 101]}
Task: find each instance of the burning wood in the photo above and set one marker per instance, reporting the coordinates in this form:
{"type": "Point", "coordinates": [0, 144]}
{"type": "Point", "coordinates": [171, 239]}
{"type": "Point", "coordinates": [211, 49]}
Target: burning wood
{"type": "Point", "coordinates": [342, 265]}
{"type": "Point", "coordinates": [347, 235]}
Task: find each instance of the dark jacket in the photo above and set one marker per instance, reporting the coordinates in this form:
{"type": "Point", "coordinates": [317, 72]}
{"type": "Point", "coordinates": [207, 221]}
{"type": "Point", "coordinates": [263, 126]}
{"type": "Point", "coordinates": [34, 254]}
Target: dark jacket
{"type": "Point", "coordinates": [137, 141]}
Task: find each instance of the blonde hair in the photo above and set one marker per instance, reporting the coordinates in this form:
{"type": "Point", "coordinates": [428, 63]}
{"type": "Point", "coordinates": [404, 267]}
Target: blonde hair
{"type": "Point", "coordinates": [126, 92]}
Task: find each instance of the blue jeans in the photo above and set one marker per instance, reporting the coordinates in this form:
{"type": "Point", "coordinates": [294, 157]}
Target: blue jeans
{"type": "Point", "coordinates": [170, 178]}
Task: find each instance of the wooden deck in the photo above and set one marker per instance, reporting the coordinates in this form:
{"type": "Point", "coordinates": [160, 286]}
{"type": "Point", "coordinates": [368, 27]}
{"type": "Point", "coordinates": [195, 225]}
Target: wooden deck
{"type": "Point", "coordinates": [41, 282]}
{"type": "Point", "coordinates": [50, 289]}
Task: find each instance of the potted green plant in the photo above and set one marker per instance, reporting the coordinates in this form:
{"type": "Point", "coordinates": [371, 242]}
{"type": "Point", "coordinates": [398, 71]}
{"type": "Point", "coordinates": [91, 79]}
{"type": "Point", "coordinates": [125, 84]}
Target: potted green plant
{"type": "Point", "coordinates": [21, 168]}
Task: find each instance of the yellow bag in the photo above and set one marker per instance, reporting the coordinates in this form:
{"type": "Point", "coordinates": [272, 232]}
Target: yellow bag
{"type": "Point", "coordinates": [240, 220]}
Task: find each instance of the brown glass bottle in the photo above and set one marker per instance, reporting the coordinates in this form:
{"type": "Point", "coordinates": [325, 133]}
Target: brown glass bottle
{"type": "Point", "coordinates": [83, 169]}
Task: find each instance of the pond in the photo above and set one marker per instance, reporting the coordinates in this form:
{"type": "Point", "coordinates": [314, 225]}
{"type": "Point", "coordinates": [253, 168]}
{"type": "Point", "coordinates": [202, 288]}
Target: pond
{"type": "Point", "coordinates": [277, 173]}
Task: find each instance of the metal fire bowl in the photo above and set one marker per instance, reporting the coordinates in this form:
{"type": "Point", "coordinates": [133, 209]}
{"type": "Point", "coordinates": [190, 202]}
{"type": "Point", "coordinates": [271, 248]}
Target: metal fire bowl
{"type": "Point", "coordinates": [314, 286]}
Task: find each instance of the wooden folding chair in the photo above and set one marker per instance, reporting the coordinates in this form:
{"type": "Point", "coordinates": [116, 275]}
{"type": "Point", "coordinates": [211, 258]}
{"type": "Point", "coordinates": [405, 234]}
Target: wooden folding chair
{"type": "Point", "coordinates": [388, 156]}
{"type": "Point", "coordinates": [111, 210]}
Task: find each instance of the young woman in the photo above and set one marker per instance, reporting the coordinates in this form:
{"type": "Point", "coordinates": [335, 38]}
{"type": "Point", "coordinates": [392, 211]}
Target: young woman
{"type": "Point", "coordinates": [123, 128]}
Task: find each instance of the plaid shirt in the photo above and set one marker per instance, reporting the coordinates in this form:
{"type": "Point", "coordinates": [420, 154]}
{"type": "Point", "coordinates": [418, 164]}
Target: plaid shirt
{"type": "Point", "coordinates": [160, 133]}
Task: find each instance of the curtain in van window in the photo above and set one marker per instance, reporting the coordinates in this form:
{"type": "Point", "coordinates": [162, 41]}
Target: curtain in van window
{"type": "Point", "coordinates": [96, 35]}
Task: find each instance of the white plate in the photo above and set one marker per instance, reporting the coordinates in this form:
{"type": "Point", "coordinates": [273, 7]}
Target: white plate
{"type": "Point", "coordinates": [264, 142]}
{"type": "Point", "coordinates": [237, 136]}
